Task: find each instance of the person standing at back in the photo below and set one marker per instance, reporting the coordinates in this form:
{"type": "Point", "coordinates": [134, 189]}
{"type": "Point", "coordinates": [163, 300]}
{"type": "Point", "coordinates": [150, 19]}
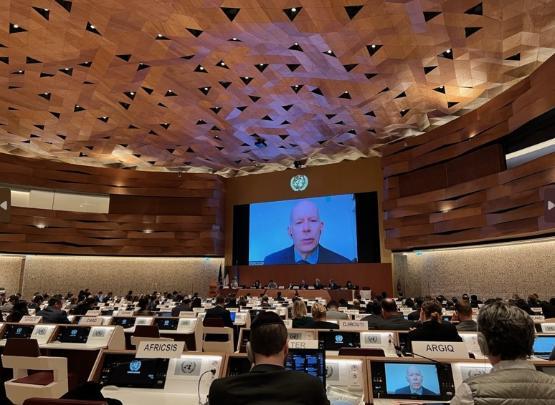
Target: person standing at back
{"type": "Point", "coordinates": [506, 336]}
{"type": "Point", "coordinates": [268, 382]}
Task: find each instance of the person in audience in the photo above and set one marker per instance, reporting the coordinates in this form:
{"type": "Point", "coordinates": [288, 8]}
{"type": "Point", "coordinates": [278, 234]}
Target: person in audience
{"type": "Point", "coordinates": [234, 283]}
{"type": "Point", "coordinates": [143, 305]}
{"type": "Point", "coordinates": [349, 285]}
{"type": "Point", "coordinates": [319, 318]}
{"type": "Point", "coordinates": [272, 284]}
{"type": "Point", "coordinates": [305, 229]}
{"type": "Point", "coordinates": [300, 319]}
{"type": "Point", "coordinates": [257, 284]}
{"type": "Point", "coordinates": [183, 305]}
{"type": "Point", "coordinates": [268, 381]}
{"type": "Point", "coordinates": [334, 313]}
{"type": "Point", "coordinates": [548, 308]}
{"type": "Point", "coordinates": [8, 306]}
{"type": "Point", "coordinates": [415, 315]}
{"type": "Point", "coordinates": [19, 310]}
{"type": "Point", "coordinates": [506, 337]}
{"type": "Point", "coordinates": [432, 327]}
{"type": "Point", "coordinates": [196, 303]}
{"type": "Point", "coordinates": [36, 302]}
{"type": "Point", "coordinates": [374, 311]}
{"type": "Point", "coordinates": [318, 284]}
{"type": "Point", "coordinates": [463, 313]}
{"type": "Point", "coordinates": [84, 306]}
{"type": "Point", "coordinates": [333, 285]}
{"type": "Point", "coordinates": [265, 302]}
{"type": "Point", "coordinates": [218, 312]}
{"type": "Point", "coordinates": [279, 297]}
{"type": "Point", "coordinates": [392, 319]}
{"type": "Point", "coordinates": [53, 312]}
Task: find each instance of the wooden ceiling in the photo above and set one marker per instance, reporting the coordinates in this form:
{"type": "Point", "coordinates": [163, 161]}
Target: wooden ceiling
{"type": "Point", "coordinates": [233, 87]}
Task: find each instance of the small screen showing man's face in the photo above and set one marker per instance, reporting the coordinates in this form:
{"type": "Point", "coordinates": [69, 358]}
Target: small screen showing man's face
{"type": "Point", "coordinates": [412, 380]}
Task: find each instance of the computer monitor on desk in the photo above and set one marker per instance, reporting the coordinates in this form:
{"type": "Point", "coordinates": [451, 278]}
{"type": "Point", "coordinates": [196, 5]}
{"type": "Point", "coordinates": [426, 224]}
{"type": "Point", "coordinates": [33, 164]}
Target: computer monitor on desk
{"type": "Point", "coordinates": [335, 340]}
{"type": "Point", "coordinates": [125, 322]}
{"type": "Point", "coordinates": [411, 380]}
{"type": "Point", "coordinates": [18, 331]}
{"type": "Point", "coordinates": [73, 334]}
{"type": "Point", "coordinates": [310, 361]}
{"type": "Point", "coordinates": [167, 323]}
{"type": "Point", "coordinates": [124, 370]}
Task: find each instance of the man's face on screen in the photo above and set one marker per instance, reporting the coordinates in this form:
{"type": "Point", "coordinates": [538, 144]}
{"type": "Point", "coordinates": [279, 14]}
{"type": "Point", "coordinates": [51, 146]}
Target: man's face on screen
{"type": "Point", "coordinates": [414, 377]}
{"type": "Point", "coordinates": [305, 227]}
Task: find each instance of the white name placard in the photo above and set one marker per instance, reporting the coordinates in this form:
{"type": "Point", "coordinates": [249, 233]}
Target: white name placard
{"type": "Point", "coordinates": [31, 319]}
{"type": "Point", "coordinates": [93, 312]}
{"type": "Point", "coordinates": [353, 325]}
{"type": "Point", "coordinates": [90, 321]}
{"type": "Point", "coordinates": [152, 349]}
{"type": "Point", "coordinates": [441, 350]}
{"type": "Point", "coordinates": [538, 317]}
{"type": "Point", "coordinates": [303, 344]}
{"type": "Point", "coordinates": [187, 314]}
{"type": "Point", "coordinates": [548, 327]}
{"type": "Point", "coordinates": [126, 313]}
{"type": "Point", "coordinates": [288, 323]}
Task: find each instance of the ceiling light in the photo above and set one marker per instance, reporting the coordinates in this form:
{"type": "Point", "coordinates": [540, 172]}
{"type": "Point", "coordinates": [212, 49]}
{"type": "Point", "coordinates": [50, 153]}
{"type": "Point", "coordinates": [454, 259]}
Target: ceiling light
{"type": "Point", "coordinates": [293, 10]}
{"type": "Point", "coordinates": [373, 46]}
{"type": "Point", "coordinates": [206, 89]}
{"type": "Point", "coordinates": [234, 39]}
{"type": "Point", "coordinates": [104, 117]}
{"type": "Point", "coordinates": [147, 231]}
{"type": "Point", "coordinates": [346, 91]}
{"type": "Point", "coordinates": [159, 35]}
{"type": "Point", "coordinates": [66, 68]}
{"type": "Point", "coordinates": [46, 9]}
{"type": "Point", "coordinates": [16, 26]}
{"type": "Point", "coordinates": [296, 44]}
{"type": "Point", "coordinates": [246, 78]}
{"type": "Point", "coordinates": [93, 27]}
{"type": "Point", "coordinates": [330, 51]}
{"type": "Point", "coordinates": [20, 71]}
{"type": "Point", "coordinates": [40, 226]}
{"type": "Point", "coordinates": [77, 106]}
{"type": "Point", "coordinates": [448, 51]}
{"type": "Point", "coordinates": [222, 63]}
{"type": "Point", "coordinates": [132, 93]}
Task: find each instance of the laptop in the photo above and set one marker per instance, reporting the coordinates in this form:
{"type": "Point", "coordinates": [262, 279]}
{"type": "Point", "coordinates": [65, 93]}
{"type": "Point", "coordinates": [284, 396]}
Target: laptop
{"type": "Point", "coordinates": [543, 346]}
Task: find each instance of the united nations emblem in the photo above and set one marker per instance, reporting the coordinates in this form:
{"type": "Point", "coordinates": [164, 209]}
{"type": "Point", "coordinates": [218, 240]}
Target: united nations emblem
{"type": "Point", "coordinates": [135, 366]}
{"type": "Point", "coordinates": [299, 182]}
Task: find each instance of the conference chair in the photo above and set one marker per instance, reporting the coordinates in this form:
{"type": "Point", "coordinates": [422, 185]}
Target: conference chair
{"type": "Point", "coordinates": [146, 332]}
{"type": "Point", "coordinates": [49, 381]}
{"type": "Point", "coordinates": [216, 337]}
{"type": "Point", "coordinates": [49, 401]}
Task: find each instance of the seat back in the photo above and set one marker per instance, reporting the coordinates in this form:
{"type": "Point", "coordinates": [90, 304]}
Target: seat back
{"type": "Point", "coordinates": [358, 352]}
{"type": "Point", "coordinates": [213, 322]}
{"type": "Point", "coordinates": [150, 331]}
{"type": "Point", "coordinates": [223, 342]}
{"type": "Point", "coordinates": [22, 347]}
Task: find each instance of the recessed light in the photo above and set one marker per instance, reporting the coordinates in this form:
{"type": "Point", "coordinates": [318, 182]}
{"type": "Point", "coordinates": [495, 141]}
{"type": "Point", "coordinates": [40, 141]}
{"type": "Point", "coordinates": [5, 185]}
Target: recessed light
{"type": "Point", "coordinates": [147, 231]}
{"type": "Point", "coordinates": [132, 93]}
{"type": "Point", "coordinates": [46, 93]}
{"type": "Point", "coordinates": [246, 78]}
{"type": "Point", "coordinates": [448, 51]}
{"type": "Point", "coordinates": [201, 68]}
{"type": "Point", "coordinates": [40, 226]}
{"type": "Point", "coordinates": [234, 39]}
{"type": "Point", "coordinates": [296, 44]}
{"type": "Point", "coordinates": [222, 63]}
{"type": "Point", "coordinates": [330, 51]}
{"type": "Point", "coordinates": [46, 9]}
{"type": "Point", "coordinates": [346, 91]}
{"type": "Point", "coordinates": [206, 89]}
{"type": "Point", "coordinates": [293, 10]}
{"type": "Point", "coordinates": [20, 71]}
{"type": "Point", "coordinates": [77, 106]}
{"type": "Point", "coordinates": [66, 68]}
{"type": "Point", "coordinates": [104, 117]}
{"type": "Point", "coordinates": [93, 27]}
{"type": "Point", "coordinates": [16, 26]}
{"type": "Point", "coordinates": [159, 35]}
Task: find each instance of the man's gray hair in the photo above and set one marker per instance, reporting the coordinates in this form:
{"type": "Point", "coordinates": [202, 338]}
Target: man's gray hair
{"type": "Point", "coordinates": [508, 330]}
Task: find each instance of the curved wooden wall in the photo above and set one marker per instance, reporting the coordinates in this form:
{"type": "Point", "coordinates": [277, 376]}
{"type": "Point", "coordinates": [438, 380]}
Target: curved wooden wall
{"type": "Point", "coordinates": [184, 212]}
{"type": "Point", "coordinates": [497, 204]}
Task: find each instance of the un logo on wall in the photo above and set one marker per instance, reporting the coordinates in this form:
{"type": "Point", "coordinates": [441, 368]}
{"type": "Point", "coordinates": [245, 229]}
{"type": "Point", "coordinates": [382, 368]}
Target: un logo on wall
{"type": "Point", "coordinates": [299, 182]}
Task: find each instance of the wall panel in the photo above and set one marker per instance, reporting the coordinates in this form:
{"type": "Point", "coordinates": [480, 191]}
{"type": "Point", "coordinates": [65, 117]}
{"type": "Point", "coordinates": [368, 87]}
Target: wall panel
{"type": "Point", "coordinates": [480, 199]}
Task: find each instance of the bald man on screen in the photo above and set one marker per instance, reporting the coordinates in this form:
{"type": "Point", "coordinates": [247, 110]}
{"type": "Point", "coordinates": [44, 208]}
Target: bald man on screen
{"type": "Point", "coordinates": [416, 380]}
{"type": "Point", "coordinates": [305, 228]}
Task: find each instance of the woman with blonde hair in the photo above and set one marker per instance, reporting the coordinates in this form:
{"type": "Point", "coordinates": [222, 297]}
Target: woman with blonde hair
{"type": "Point", "coordinates": [300, 319]}
{"type": "Point", "coordinates": [319, 318]}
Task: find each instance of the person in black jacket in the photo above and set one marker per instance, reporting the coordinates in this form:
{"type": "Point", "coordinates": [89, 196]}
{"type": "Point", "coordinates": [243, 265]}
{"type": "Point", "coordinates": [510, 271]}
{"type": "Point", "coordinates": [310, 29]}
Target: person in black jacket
{"type": "Point", "coordinates": [53, 312]}
{"type": "Point", "coordinates": [432, 328]}
{"type": "Point", "coordinates": [219, 312]}
{"type": "Point", "coordinates": [268, 382]}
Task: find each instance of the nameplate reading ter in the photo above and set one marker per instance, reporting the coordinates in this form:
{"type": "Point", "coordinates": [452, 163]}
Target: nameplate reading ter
{"type": "Point", "coordinates": [152, 349]}
{"type": "Point", "coordinates": [303, 344]}
{"type": "Point", "coordinates": [353, 325]}
{"type": "Point", "coordinates": [31, 319]}
{"type": "Point", "coordinates": [440, 350]}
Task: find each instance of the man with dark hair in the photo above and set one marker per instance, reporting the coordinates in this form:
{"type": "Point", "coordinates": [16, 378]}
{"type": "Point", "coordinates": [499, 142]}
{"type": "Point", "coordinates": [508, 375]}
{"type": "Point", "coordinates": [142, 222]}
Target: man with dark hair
{"type": "Point", "coordinates": [268, 382]}
{"type": "Point", "coordinates": [506, 336]}
{"type": "Point", "coordinates": [218, 312]}
{"type": "Point", "coordinates": [53, 312]}
{"type": "Point", "coordinates": [392, 318]}
{"type": "Point", "coordinates": [463, 312]}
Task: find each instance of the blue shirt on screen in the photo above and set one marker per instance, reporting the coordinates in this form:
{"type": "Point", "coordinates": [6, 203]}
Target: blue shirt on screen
{"type": "Point", "coordinates": [312, 259]}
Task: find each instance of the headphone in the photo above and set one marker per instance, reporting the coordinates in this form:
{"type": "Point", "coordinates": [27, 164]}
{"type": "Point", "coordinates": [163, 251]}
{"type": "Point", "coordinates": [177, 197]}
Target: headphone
{"type": "Point", "coordinates": [250, 353]}
{"type": "Point", "coordinates": [264, 318]}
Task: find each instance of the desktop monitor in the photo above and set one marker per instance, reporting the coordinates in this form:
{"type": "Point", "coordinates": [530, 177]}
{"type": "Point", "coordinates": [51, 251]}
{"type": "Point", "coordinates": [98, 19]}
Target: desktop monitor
{"type": "Point", "coordinates": [238, 366]}
{"type": "Point", "coordinates": [167, 323]}
{"type": "Point", "coordinates": [125, 321]}
{"type": "Point", "coordinates": [412, 380]}
{"type": "Point", "coordinates": [310, 361]}
{"type": "Point", "coordinates": [335, 340]}
{"type": "Point", "coordinates": [73, 334]}
{"type": "Point", "coordinates": [124, 370]}
{"type": "Point", "coordinates": [543, 346]}
{"type": "Point", "coordinates": [18, 331]}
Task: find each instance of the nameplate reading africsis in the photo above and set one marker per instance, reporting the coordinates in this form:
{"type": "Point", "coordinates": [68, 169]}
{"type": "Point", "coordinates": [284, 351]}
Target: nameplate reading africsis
{"type": "Point", "coordinates": [149, 349]}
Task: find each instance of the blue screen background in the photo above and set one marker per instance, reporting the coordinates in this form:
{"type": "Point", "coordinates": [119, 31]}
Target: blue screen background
{"type": "Point", "coordinates": [396, 376]}
{"type": "Point", "coordinates": [269, 221]}
{"type": "Point", "coordinates": [544, 344]}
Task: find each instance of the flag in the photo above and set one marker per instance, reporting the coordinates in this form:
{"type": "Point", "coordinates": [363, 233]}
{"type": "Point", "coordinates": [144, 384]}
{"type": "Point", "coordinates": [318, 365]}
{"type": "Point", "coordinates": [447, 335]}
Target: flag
{"type": "Point", "coordinates": [220, 277]}
{"type": "Point", "coordinates": [226, 276]}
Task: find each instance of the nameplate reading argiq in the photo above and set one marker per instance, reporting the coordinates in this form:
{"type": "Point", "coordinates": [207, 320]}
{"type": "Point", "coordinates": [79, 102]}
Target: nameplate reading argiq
{"type": "Point", "coordinates": [152, 349]}
{"type": "Point", "coordinates": [32, 319]}
{"type": "Point", "coordinates": [441, 350]}
{"type": "Point", "coordinates": [303, 344]}
{"type": "Point", "coordinates": [90, 321]}
{"type": "Point", "coordinates": [353, 325]}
